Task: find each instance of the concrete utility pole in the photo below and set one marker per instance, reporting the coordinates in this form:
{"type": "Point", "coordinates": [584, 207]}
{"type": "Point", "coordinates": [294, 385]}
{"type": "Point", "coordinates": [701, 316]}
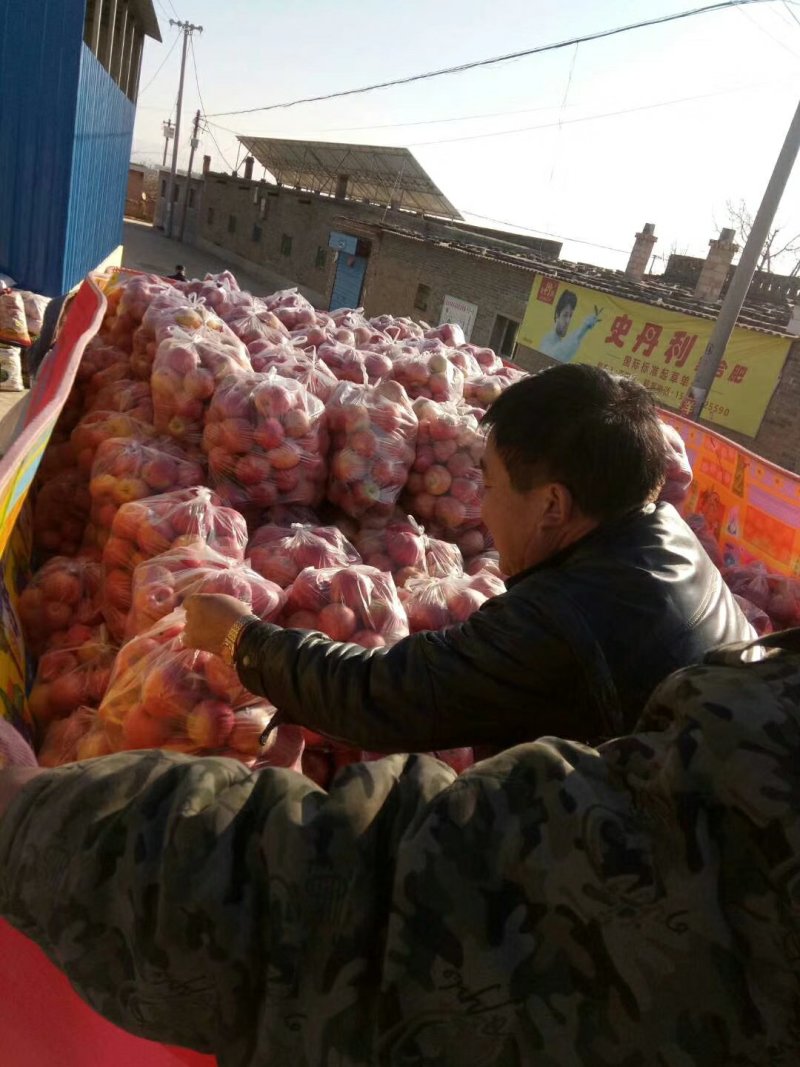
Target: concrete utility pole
{"type": "Point", "coordinates": [195, 143]}
{"type": "Point", "coordinates": [694, 401]}
{"type": "Point", "coordinates": [169, 132]}
{"type": "Point", "coordinates": [187, 29]}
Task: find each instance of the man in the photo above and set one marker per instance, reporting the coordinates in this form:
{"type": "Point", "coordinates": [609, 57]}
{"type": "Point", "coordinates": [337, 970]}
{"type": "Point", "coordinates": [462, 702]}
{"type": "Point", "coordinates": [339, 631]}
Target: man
{"type": "Point", "coordinates": [556, 343]}
{"type": "Point", "coordinates": [609, 594]}
{"type": "Point", "coordinates": [179, 275]}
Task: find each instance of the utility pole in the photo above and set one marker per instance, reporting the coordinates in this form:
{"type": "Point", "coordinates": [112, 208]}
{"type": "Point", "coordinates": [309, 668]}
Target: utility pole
{"type": "Point", "coordinates": [694, 401]}
{"type": "Point", "coordinates": [195, 143]}
{"type": "Point", "coordinates": [187, 29]}
{"type": "Point", "coordinates": [169, 132]}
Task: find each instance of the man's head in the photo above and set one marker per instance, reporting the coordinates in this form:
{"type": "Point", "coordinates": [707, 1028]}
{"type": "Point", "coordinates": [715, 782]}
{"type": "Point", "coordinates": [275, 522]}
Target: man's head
{"type": "Point", "coordinates": [565, 306]}
{"type": "Point", "coordinates": [567, 449]}
{"type": "Point", "coordinates": [179, 268]}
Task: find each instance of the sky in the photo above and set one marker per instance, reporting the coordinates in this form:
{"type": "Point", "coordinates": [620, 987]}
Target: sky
{"type": "Point", "coordinates": [666, 124]}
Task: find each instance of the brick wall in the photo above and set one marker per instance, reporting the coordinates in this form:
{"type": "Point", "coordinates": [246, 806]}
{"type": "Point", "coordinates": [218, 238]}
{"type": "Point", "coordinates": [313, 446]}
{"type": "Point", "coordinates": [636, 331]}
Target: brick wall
{"type": "Point", "coordinates": [399, 265]}
{"type": "Point", "coordinates": [778, 438]}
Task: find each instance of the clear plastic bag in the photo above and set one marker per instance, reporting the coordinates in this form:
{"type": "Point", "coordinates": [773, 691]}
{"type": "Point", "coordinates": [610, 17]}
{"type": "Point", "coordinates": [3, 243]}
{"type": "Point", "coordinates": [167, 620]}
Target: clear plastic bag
{"type": "Point", "coordinates": [357, 604]}
{"type": "Point", "coordinates": [128, 297]}
{"type": "Point", "coordinates": [126, 469]}
{"type": "Point", "coordinates": [35, 306]}
{"type": "Point", "coordinates": [429, 374]}
{"type": "Point", "coordinates": [187, 369]}
{"type": "Point", "coordinates": [161, 584]}
{"type": "Point", "coordinates": [143, 529]}
{"type": "Point", "coordinates": [67, 740]}
{"type": "Point", "coordinates": [61, 513]}
{"type": "Point", "coordinates": [124, 396]}
{"type": "Point", "coordinates": [60, 603]}
{"type": "Point", "coordinates": [254, 322]}
{"type": "Point", "coordinates": [280, 554]}
{"type": "Point", "coordinates": [374, 433]}
{"type": "Point", "coordinates": [758, 619]}
{"type": "Point", "coordinates": [99, 426]}
{"type": "Point", "coordinates": [344, 362]}
{"type": "Point", "coordinates": [699, 526]}
{"type": "Point", "coordinates": [482, 391]}
{"type": "Point", "coordinates": [266, 441]}
{"type": "Point", "coordinates": [783, 606]}
{"type": "Point", "coordinates": [434, 603]}
{"type": "Point", "coordinates": [71, 677]}
{"type": "Point", "coordinates": [750, 581]}
{"type": "Point", "coordinates": [399, 547]}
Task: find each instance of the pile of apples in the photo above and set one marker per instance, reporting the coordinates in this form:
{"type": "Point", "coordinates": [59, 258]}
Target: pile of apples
{"type": "Point", "coordinates": [359, 604]}
{"type": "Point", "coordinates": [279, 554]}
{"type": "Point", "coordinates": [373, 435]}
{"type": "Point", "coordinates": [161, 584]}
{"type": "Point", "coordinates": [61, 603]}
{"type": "Point", "coordinates": [398, 547]}
{"type": "Point", "coordinates": [266, 441]}
{"type": "Point", "coordinates": [434, 603]}
{"type": "Point", "coordinates": [193, 517]}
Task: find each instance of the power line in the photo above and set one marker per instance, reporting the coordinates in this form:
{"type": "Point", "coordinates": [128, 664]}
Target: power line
{"type": "Point", "coordinates": [789, 10]}
{"type": "Point", "coordinates": [163, 62]}
{"type": "Point", "coordinates": [203, 107]}
{"type": "Point", "coordinates": [570, 122]}
{"type": "Point", "coordinates": [544, 233]}
{"type": "Point", "coordinates": [599, 35]}
{"type": "Point", "coordinates": [766, 32]}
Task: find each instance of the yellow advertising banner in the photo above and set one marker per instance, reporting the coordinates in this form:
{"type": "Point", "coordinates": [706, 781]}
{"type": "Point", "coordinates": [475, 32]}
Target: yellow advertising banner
{"type": "Point", "coordinates": [659, 347]}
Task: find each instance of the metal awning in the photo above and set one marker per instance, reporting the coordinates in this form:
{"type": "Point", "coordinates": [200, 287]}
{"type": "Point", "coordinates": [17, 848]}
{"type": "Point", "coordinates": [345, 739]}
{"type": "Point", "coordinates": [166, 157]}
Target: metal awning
{"type": "Point", "coordinates": [145, 14]}
{"type": "Point", "coordinates": [391, 177]}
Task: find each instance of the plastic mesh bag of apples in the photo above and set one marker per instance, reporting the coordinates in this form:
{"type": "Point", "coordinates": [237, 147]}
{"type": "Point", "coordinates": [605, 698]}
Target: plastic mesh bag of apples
{"type": "Point", "coordinates": [146, 528]}
{"type": "Point", "coordinates": [61, 603]}
{"type": "Point", "coordinates": [429, 373]}
{"type": "Point", "coordinates": [74, 675]}
{"type": "Point", "coordinates": [357, 604]}
{"type": "Point", "coordinates": [266, 441]}
{"type": "Point", "coordinates": [279, 554]}
{"type": "Point", "coordinates": [164, 695]}
{"type": "Point", "coordinates": [161, 584]}
{"type": "Point", "coordinates": [373, 436]}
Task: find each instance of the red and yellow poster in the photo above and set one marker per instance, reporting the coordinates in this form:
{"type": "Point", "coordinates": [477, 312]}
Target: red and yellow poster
{"type": "Point", "coordinates": [658, 346]}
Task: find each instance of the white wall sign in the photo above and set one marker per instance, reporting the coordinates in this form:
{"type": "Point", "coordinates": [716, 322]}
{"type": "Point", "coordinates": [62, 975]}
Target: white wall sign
{"type": "Point", "coordinates": [460, 311]}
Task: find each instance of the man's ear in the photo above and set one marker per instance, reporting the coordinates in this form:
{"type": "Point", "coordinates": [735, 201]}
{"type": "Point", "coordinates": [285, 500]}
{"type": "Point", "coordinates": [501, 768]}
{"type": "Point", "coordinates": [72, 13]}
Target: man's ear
{"type": "Point", "coordinates": [559, 506]}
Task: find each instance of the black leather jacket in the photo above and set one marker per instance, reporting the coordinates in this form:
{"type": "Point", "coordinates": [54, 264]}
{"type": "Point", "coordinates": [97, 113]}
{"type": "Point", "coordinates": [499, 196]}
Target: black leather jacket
{"type": "Point", "coordinates": [573, 648]}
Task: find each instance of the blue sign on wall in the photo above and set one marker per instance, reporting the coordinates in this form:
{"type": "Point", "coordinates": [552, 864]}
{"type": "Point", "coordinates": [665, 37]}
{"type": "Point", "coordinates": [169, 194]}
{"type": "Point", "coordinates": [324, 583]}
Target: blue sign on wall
{"type": "Point", "coordinates": [343, 242]}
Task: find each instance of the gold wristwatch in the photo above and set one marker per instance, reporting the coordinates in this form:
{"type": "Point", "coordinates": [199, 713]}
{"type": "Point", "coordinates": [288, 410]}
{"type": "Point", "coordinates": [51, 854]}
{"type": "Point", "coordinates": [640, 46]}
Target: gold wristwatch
{"type": "Point", "coordinates": [231, 642]}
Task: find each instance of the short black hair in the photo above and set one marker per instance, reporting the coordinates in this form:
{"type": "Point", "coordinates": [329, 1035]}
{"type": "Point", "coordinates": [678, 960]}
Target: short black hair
{"type": "Point", "coordinates": [594, 432]}
{"type": "Point", "coordinates": [567, 299]}
{"type": "Point", "coordinates": [178, 266]}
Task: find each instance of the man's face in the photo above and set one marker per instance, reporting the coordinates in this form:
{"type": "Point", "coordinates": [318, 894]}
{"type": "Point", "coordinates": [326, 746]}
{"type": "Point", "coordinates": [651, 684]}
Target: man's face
{"type": "Point", "coordinates": [563, 320]}
{"type": "Point", "coordinates": [513, 518]}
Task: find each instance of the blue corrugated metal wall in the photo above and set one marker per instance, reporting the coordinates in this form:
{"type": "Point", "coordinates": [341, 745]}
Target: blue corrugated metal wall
{"type": "Point", "coordinates": [103, 134]}
{"type": "Point", "coordinates": [65, 135]}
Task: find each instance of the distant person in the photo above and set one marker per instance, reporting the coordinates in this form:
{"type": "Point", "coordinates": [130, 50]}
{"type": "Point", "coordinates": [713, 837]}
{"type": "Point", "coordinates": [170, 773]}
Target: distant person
{"type": "Point", "coordinates": [179, 275]}
{"type": "Point", "coordinates": [556, 343]}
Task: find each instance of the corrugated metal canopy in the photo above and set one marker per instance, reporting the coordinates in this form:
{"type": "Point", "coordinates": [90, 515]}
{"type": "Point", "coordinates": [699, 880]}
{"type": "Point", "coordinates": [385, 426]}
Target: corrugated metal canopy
{"type": "Point", "coordinates": [145, 15]}
{"type": "Point", "coordinates": [386, 176]}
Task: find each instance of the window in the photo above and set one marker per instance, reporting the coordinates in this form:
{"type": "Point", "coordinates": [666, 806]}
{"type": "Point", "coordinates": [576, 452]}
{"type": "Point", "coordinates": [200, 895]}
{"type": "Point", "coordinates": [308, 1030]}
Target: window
{"type": "Point", "coordinates": [163, 186]}
{"type": "Point", "coordinates": [210, 216]}
{"type": "Point", "coordinates": [263, 207]}
{"type": "Point", "coordinates": [422, 297]}
{"type": "Point", "coordinates": [322, 258]}
{"type": "Point", "coordinates": [286, 245]}
{"type": "Point", "coordinates": [504, 336]}
{"type": "Point", "coordinates": [231, 224]}
{"type": "Point", "coordinates": [175, 193]}
{"type": "Point", "coordinates": [191, 198]}
{"type": "Point", "coordinates": [256, 233]}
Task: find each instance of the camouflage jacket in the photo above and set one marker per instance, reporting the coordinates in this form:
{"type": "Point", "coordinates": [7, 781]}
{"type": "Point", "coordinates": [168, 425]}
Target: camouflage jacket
{"type": "Point", "coordinates": [555, 905]}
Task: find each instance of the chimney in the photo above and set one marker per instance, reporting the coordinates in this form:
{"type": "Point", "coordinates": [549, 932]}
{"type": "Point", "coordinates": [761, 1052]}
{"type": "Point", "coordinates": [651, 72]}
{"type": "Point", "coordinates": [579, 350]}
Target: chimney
{"type": "Point", "coordinates": [715, 269]}
{"type": "Point", "coordinates": [206, 165]}
{"type": "Point", "coordinates": [793, 326]}
{"type": "Point", "coordinates": [248, 168]}
{"type": "Point", "coordinates": [640, 254]}
{"type": "Point", "coordinates": [341, 186]}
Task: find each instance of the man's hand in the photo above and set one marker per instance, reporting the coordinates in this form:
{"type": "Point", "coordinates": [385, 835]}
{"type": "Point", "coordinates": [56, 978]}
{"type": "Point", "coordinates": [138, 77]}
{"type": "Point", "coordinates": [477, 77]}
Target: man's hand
{"type": "Point", "coordinates": [209, 617]}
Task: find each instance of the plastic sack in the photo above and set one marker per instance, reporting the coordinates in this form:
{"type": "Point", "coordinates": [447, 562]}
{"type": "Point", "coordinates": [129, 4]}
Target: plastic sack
{"type": "Point", "coordinates": [699, 526]}
{"type": "Point", "coordinates": [445, 485]}
{"type": "Point", "coordinates": [783, 606]}
{"type": "Point", "coordinates": [279, 554]}
{"type": "Point", "coordinates": [35, 307]}
{"type": "Point", "coordinates": [358, 604]}
{"type": "Point", "coordinates": [344, 362]}
{"type": "Point", "coordinates": [398, 547]}
{"type": "Point", "coordinates": [127, 299]}
{"type": "Point", "coordinates": [434, 603]}
{"type": "Point", "coordinates": [126, 469]}
{"type": "Point", "coordinates": [67, 678]}
{"type": "Point", "coordinates": [164, 695]}
{"type": "Point", "coordinates": [485, 561]}
{"type": "Point", "coordinates": [146, 528]}
{"type": "Point", "coordinates": [483, 390]}
{"type": "Point", "coordinates": [750, 581]}
{"type": "Point", "coordinates": [678, 476]}
{"type": "Point", "coordinates": [123, 396]}
{"type": "Point", "coordinates": [266, 442]}
{"type": "Point", "coordinates": [170, 312]}
{"type": "Point", "coordinates": [758, 619]}
{"type": "Point", "coordinates": [67, 740]}
{"type": "Point", "coordinates": [254, 322]}
{"type": "Point", "coordinates": [11, 370]}
{"type": "Point", "coordinates": [429, 374]}
{"type": "Point", "coordinates": [187, 369]}
{"type": "Point", "coordinates": [61, 513]}
{"type": "Point", "coordinates": [161, 584]}
{"type": "Point", "coordinates": [99, 426]}
{"type": "Point", "coordinates": [443, 559]}
{"type": "Point", "coordinates": [374, 433]}
{"type": "Point", "coordinates": [13, 324]}
{"type": "Point", "coordinates": [61, 596]}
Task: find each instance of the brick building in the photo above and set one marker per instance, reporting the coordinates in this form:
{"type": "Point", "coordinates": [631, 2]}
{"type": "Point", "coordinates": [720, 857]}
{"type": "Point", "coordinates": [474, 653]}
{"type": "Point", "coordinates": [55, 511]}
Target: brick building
{"type": "Point", "coordinates": [353, 236]}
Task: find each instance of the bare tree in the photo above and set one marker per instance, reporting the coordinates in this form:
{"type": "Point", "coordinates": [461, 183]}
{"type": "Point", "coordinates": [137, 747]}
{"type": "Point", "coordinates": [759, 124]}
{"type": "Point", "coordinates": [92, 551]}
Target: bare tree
{"type": "Point", "coordinates": [776, 244]}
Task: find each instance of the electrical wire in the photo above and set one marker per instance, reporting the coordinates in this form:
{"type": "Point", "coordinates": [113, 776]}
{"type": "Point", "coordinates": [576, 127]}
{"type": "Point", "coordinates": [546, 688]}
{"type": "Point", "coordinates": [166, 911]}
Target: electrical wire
{"type": "Point", "coordinates": [203, 107]}
{"type": "Point", "coordinates": [163, 62]}
{"type": "Point", "coordinates": [767, 33]}
{"type": "Point", "coordinates": [543, 233]}
{"type": "Point", "coordinates": [789, 10]}
{"type": "Point", "coordinates": [599, 35]}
